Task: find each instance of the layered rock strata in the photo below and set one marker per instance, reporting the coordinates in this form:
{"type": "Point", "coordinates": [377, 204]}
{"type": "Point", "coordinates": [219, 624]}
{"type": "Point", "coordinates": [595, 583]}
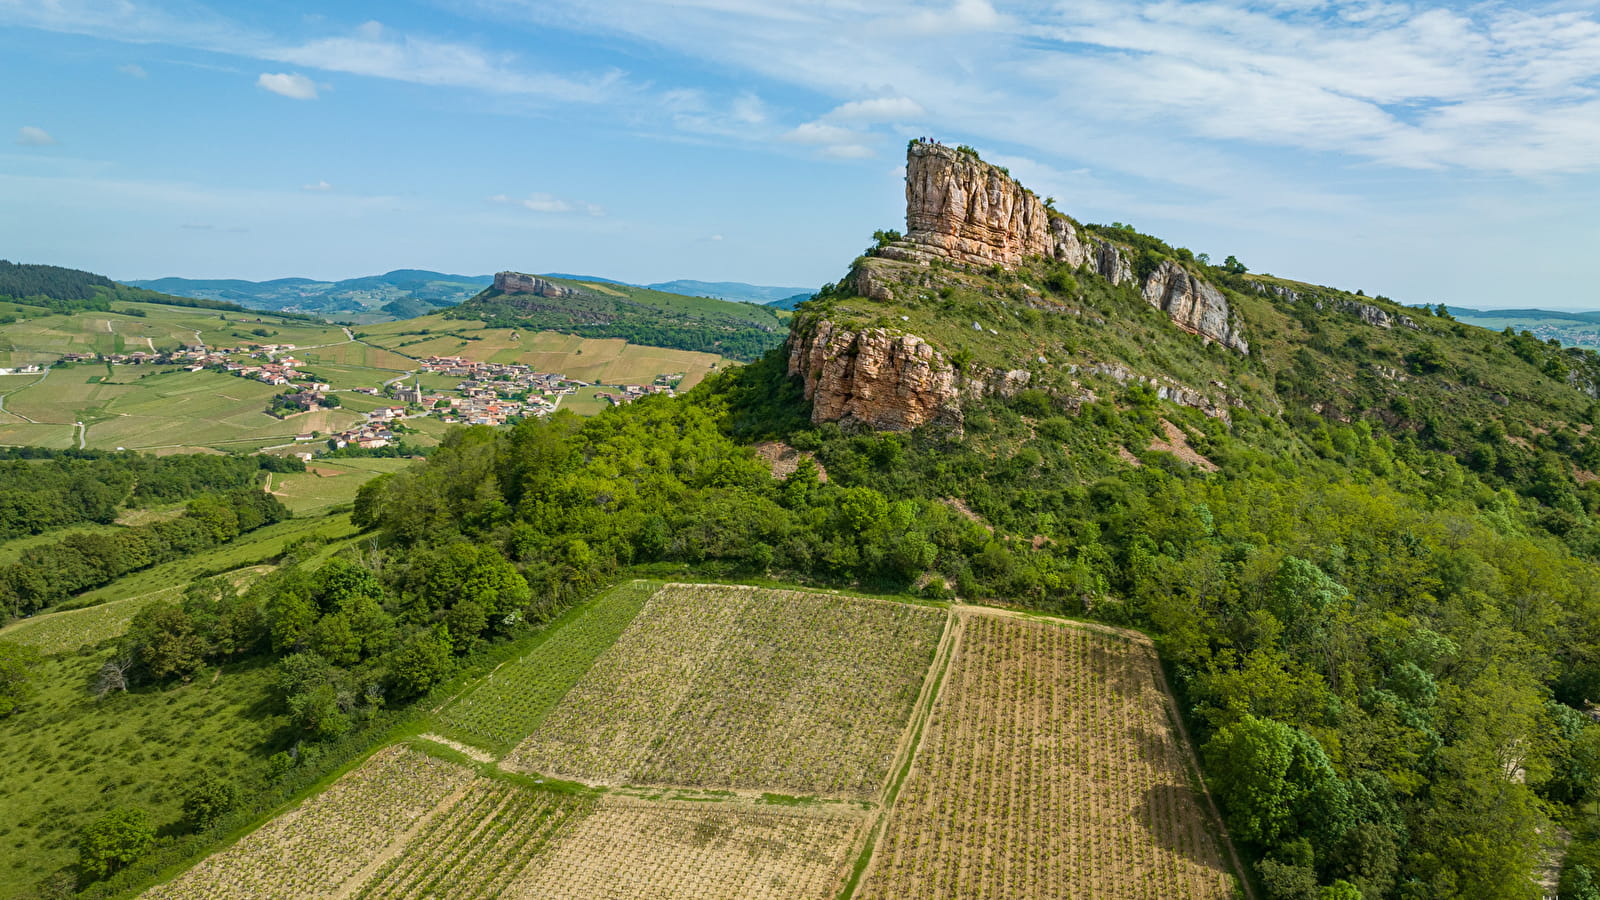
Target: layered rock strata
{"type": "Point", "coordinates": [885, 380]}
{"type": "Point", "coordinates": [518, 283]}
{"type": "Point", "coordinates": [1193, 304]}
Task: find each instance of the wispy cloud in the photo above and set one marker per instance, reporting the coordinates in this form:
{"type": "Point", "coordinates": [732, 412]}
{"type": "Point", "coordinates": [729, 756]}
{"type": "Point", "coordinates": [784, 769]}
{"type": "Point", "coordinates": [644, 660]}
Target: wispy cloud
{"type": "Point", "coordinates": [1139, 86]}
{"type": "Point", "coordinates": [878, 109]}
{"type": "Point", "coordinates": [319, 187]}
{"type": "Point", "coordinates": [33, 136]}
{"type": "Point", "coordinates": [133, 70]}
{"type": "Point", "coordinates": [292, 85]}
{"type": "Point", "coordinates": [548, 203]}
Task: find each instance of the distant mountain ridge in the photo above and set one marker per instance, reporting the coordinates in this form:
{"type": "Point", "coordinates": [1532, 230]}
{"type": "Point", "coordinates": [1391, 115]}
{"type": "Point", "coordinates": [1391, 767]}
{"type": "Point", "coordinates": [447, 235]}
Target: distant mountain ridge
{"type": "Point", "coordinates": [405, 293]}
{"type": "Point", "coordinates": [399, 294]}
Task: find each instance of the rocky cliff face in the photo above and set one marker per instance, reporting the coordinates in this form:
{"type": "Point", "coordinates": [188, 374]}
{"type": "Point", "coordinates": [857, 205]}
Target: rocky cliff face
{"type": "Point", "coordinates": [1194, 305]}
{"type": "Point", "coordinates": [883, 379]}
{"type": "Point", "coordinates": [518, 283]}
{"type": "Point", "coordinates": [962, 208]}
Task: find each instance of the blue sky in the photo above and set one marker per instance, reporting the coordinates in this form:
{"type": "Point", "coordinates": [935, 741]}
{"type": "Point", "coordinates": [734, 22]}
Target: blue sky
{"type": "Point", "coordinates": [1428, 152]}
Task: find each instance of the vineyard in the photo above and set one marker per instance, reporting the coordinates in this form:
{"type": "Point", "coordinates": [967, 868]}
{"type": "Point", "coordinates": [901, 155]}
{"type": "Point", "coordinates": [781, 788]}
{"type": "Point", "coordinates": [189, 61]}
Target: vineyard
{"type": "Point", "coordinates": [324, 844]}
{"type": "Point", "coordinates": [477, 847]}
{"type": "Point", "coordinates": [510, 704]}
{"type": "Point", "coordinates": [1049, 770]}
{"type": "Point", "coordinates": [632, 850]}
{"type": "Point", "coordinates": [732, 687]}
{"type": "Point", "coordinates": [1041, 761]}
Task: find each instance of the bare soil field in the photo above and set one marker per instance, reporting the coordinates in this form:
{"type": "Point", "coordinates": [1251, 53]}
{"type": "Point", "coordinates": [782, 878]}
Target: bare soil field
{"type": "Point", "coordinates": [1050, 769]}
{"type": "Point", "coordinates": [718, 686]}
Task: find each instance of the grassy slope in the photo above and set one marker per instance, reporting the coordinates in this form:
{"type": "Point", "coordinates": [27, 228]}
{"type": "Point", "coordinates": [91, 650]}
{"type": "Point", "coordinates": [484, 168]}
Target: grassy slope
{"type": "Point", "coordinates": [1302, 359]}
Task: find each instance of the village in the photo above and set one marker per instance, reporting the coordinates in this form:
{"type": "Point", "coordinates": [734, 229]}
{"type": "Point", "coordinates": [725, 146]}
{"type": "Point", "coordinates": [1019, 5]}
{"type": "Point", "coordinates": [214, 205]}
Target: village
{"type": "Point", "coordinates": [487, 394]}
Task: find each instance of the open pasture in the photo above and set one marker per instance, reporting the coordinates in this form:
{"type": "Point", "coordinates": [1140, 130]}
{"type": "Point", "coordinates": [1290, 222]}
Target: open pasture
{"type": "Point", "coordinates": [1049, 769]}
{"type": "Point", "coordinates": [511, 703]}
{"type": "Point", "coordinates": [719, 686]}
{"type": "Point", "coordinates": [327, 483]}
{"type": "Point", "coordinates": [636, 850]}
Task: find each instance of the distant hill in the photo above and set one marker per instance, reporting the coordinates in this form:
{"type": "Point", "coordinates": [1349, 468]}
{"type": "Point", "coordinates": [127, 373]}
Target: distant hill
{"type": "Point", "coordinates": [1571, 328]}
{"type": "Point", "coordinates": [406, 293]}
{"type": "Point", "coordinates": [639, 315]}
{"type": "Point", "coordinates": [372, 298]}
{"type": "Point", "coordinates": [65, 290]}
{"type": "Point", "coordinates": [732, 290]}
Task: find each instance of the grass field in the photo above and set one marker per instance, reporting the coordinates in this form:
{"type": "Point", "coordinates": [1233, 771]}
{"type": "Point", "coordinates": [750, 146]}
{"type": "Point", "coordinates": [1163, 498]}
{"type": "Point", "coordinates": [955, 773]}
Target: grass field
{"type": "Point", "coordinates": [1050, 769]}
{"type": "Point", "coordinates": [825, 684]}
{"type": "Point", "coordinates": [67, 758]}
{"type": "Point", "coordinates": [250, 549]}
{"type": "Point", "coordinates": [328, 483]}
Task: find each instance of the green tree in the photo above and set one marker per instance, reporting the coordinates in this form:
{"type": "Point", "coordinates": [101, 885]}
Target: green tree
{"type": "Point", "coordinates": [420, 664]}
{"type": "Point", "coordinates": [19, 665]}
{"type": "Point", "coordinates": [114, 841]}
{"type": "Point", "coordinates": [207, 799]}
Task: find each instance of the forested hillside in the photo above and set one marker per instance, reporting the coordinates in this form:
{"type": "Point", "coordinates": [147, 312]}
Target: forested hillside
{"type": "Point", "coordinates": [69, 290]}
{"type": "Point", "coordinates": [638, 315]}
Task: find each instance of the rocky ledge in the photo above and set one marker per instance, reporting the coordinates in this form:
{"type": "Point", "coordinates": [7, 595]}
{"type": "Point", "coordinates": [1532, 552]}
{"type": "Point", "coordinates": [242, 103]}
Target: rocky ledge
{"type": "Point", "coordinates": [885, 380]}
{"type": "Point", "coordinates": [519, 283]}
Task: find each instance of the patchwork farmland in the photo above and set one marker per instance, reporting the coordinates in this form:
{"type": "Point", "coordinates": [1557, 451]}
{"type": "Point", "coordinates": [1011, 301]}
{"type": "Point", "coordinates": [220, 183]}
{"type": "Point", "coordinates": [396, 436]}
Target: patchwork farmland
{"type": "Point", "coordinates": [718, 741]}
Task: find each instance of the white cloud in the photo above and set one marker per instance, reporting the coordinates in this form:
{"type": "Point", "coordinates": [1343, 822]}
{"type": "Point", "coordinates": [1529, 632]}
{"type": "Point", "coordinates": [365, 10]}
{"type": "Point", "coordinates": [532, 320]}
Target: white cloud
{"type": "Point", "coordinates": [548, 203]}
{"type": "Point", "coordinates": [848, 151]}
{"type": "Point", "coordinates": [821, 133]}
{"type": "Point", "coordinates": [133, 70]}
{"type": "Point", "coordinates": [716, 237]}
{"type": "Point", "coordinates": [31, 136]}
{"type": "Point", "coordinates": [879, 109]}
{"type": "Point", "coordinates": [320, 186]}
{"type": "Point", "coordinates": [293, 85]}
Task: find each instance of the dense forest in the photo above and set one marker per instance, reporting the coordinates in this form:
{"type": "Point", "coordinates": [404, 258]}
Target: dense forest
{"type": "Point", "coordinates": [41, 490]}
{"type": "Point", "coordinates": [47, 574]}
{"type": "Point", "coordinates": [65, 291]}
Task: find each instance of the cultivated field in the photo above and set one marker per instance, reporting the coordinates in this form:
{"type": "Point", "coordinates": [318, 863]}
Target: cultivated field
{"type": "Point", "coordinates": [716, 686]}
{"type": "Point", "coordinates": [634, 850]}
{"type": "Point", "coordinates": [1050, 769]}
{"type": "Point", "coordinates": [748, 737]}
{"type": "Point", "coordinates": [332, 841]}
{"type": "Point", "coordinates": [596, 360]}
{"type": "Point", "coordinates": [511, 703]}
{"type": "Point", "coordinates": [476, 844]}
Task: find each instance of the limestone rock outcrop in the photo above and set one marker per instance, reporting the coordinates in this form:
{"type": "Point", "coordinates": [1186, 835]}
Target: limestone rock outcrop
{"type": "Point", "coordinates": [518, 283]}
{"type": "Point", "coordinates": [962, 208]}
{"type": "Point", "coordinates": [883, 379]}
{"type": "Point", "coordinates": [1193, 304]}
{"type": "Point", "coordinates": [1372, 315]}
